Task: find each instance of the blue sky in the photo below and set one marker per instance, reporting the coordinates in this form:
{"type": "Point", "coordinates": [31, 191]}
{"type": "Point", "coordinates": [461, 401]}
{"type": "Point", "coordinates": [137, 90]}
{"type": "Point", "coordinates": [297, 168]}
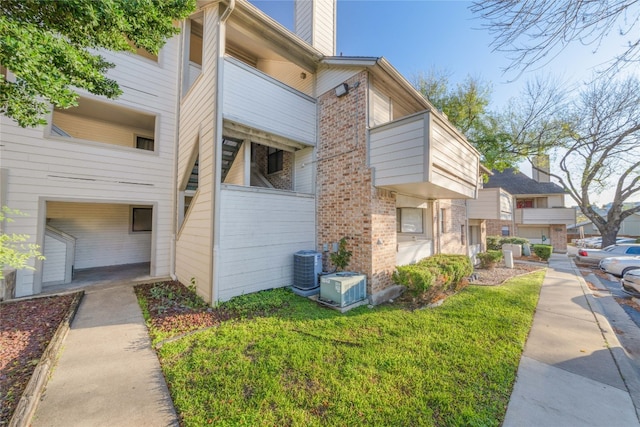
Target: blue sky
{"type": "Point", "coordinates": [420, 35]}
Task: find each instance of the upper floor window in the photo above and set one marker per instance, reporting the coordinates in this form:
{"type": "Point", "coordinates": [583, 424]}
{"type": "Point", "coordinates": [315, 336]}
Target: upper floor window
{"type": "Point", "coordinates": [144, 143]}
{"type": "Point", "coordinates": [524, 203]}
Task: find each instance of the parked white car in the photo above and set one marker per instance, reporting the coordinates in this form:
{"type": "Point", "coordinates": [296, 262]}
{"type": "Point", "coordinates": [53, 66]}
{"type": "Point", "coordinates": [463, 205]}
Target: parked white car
{"type": "Point", "coordinates": [595, 255]}
{"type": "Point", "coordinates": [619, 266]}
{"type": "Point", "coordinates": [596, 242]}
{"type": "Point", "coordinates": [631, 282]}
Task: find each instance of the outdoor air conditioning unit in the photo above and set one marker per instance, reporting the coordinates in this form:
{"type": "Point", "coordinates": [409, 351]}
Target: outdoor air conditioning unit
{"type": "Point", "coordinates": [343, 289]}
{"type": "Point", "coordinates": [307, 266]}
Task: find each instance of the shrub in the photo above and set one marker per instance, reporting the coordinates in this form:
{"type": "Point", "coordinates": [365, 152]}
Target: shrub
{"type": "Point", "coordinates": [490, 258]}
{"type": "Point", "coordinates": [453, 268]}
{"type": "Point", "coordinates": [416, 278]}
{"type": "Point", "coordinates": [432, 276]}
{"type": "Point", "coordinates": [543, 251]}
{"type": "Point", "coordinates": [495, 243]}
{"type": "Point", "coordinates": [342, 257]}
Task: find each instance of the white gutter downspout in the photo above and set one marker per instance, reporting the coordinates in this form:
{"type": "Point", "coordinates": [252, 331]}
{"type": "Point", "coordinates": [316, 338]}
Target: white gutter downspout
{"type": "Point", "coordinates": [215, 271]}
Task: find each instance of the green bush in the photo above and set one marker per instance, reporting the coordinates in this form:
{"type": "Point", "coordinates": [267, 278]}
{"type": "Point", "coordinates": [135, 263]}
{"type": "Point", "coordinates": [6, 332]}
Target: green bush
{"type": "Point", "coordinates": [490, 258]}
{"type": "Point", "coordinates": [415, 277]}
{"type": "Point", "coordinates": [543, 251]}
{"type": "Point", "coordinates": [432, 276]}
{"type": "Point", "coordinates": [495, 243]}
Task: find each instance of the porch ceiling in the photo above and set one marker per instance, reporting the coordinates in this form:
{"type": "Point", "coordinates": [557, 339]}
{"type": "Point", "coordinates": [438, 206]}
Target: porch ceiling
{"type": "Point", "coordinates": [426, 190]}
{"type": "Point", "coordinates": [242, 132]}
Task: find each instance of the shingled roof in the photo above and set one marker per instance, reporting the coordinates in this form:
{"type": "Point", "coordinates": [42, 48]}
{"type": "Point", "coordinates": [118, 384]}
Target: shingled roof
{"type": "Point", "coordinates": [518, 183]}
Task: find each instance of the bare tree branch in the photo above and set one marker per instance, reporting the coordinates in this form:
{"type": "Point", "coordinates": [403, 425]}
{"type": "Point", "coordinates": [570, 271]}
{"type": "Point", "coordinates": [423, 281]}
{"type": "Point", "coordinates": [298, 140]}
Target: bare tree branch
{"type": "Point", "coordinates": [534, 32]}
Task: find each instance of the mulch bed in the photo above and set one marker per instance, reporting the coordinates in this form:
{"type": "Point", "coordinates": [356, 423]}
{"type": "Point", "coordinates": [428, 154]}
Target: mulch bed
{"type": "Point", "coordinates": [500, 274]}
{"type": "Point", "coordinates": [174, 308]}
{"type": "Point", "coordinates": [26, 328]}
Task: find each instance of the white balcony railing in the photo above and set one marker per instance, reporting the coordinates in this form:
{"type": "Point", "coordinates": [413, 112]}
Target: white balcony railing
{"type": "Point", "coordinates": [530, 216]}
{"type": "Point", "coordinates": [423, 156]}
{"type": "Point", "coordinates": [259, 101]}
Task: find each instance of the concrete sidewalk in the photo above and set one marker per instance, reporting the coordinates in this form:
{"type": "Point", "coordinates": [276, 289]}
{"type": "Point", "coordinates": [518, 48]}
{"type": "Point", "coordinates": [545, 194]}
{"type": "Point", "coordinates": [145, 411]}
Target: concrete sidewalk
{"type": "Point", "coordinates": [107, 374]}
{"type": "Point", "coordinates": [573, 371]}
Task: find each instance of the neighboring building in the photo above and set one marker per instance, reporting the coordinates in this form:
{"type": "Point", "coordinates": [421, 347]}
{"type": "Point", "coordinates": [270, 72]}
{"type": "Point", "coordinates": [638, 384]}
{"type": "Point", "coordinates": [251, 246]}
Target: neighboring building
{"type": "Point", "coordinates": [238, 146]}
{"type": "Point", "coordinates": [630, 227]}
{"type": "Point", "coordinates": [539, 213]}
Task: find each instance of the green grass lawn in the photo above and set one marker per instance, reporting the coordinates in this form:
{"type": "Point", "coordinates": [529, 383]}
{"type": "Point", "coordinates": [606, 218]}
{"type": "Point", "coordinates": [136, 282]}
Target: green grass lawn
{"type": "Point", "coordinates": [303, 365]}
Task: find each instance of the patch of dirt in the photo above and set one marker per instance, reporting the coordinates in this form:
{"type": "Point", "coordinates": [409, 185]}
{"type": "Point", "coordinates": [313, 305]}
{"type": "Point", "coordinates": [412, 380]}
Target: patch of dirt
{"type": "Point", "coordinates": [499, 274]}
{"type": "Point", "coordinates": [630, 302]}
{"type": "Point", "coordinates": [26, 328]}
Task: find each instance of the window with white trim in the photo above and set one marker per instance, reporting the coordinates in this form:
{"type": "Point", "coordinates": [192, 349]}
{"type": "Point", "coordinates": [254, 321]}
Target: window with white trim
{"type": "Point", "coordinates": [410, 220]}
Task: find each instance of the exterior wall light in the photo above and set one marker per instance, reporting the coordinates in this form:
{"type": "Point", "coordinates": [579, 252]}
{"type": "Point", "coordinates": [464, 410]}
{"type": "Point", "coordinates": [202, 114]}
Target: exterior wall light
{"type": "Point", "coordinates": [342, 90]}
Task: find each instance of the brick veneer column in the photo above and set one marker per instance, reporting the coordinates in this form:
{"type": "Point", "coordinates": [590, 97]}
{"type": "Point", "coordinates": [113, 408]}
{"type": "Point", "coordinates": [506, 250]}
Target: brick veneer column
{"type": "Point", "coordinates": [348, 204]}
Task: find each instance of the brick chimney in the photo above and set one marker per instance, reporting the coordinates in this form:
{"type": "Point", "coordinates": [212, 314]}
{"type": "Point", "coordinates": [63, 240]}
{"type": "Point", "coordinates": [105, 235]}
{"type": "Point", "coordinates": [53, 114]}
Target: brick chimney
{"type": "Point", "coordinates": [315, 22]}
{"type": "Point", "coordinates": [542, 162]}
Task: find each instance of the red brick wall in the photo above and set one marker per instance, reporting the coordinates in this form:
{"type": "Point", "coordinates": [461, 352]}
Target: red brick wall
{"type": "Point", "coordinates": [282, 180]}
{"type": "Point", "coordinates": [494, 227]}
{"type": "Point", "coordinates": [450, 241]}
{"type": "Point", "coordinates": [558, 237]}
{"type": "Point", "coordinates": [348, 204]}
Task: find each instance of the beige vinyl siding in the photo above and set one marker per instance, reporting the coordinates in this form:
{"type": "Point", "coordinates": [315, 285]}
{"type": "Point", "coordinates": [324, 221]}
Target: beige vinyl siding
{"type": "Point", "coordinates": [98, 130]}
{"type": "Point", "coordinates": [102, 233]}
{"type": "Point", "coordinates": [454, 165]}
{"type": "Point", "coordinates": [256, 100]}
{"type": "Point", "coordinates": [260, 230]}
{"type": "Point", "coordinates": [55, 253]}
{"type": "Point", "coordinates": [59, 252]}
{"type": "Point", "coordinates": [506, 206]}
{"type": "Point", "coordinates": [565, 216]}
{"type": "Point", "coordinates": [236, 174]}
{"type": "Point", "coordinates": [555, 201]}
{"type": "Point", "coordinates": [304, 168]}
{"type": "Point", "coordinates": [43, 168]}
{"type": "Point", "coordinates": [491, 203]}
{"type": "Point", "coordinates": [194, 242]}
{"type": "Point", "coordinates": [410, 252]}
{"type": "Point", "coordinates": [381, 110]}
{"type": "Point", "coordinates": [397, 152]}
{"type": "Point", "coordinates": [534, 234]}
{"type": "Point", "coordinates": [303, 16]}
{"type": "Point", "coordinates": [486, 205]}
{"type": "Point", "coordinates": [324, 27]}
{"type": "Point", "coordinates": [289, 74]}
{"type": "Point", "coordinates": [314, 22]}
{"type": "Point", "coordinates": [329, 77]}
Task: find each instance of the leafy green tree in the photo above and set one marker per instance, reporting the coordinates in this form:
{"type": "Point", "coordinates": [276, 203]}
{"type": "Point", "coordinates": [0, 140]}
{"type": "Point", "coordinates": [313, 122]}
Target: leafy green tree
{"type": "Point", "coordinates": [467, 107]}
{"type": "Point", "coordinates": [14, 251]}
{"type": "Point", "coordinates": [51, 48]}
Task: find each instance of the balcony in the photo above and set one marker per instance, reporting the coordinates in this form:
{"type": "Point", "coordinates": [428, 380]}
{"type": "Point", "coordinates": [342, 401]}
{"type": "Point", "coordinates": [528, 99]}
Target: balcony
{"type": "Point", "coordinates": [548, 216]}
{"type": "Point", "coordinates": [423, 155]}
{"type": "Point", "coordinates": [491, 203]}
{"type": "Point", "coordinates": [258, 101]}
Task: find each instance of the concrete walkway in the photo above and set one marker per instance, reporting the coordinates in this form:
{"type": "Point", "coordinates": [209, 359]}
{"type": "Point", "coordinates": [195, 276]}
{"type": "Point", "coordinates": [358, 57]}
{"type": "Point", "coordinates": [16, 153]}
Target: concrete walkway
{"type": "Point", "coordinates": [573, 371]}
{"type": "Point", "coordinates": [107, 374]}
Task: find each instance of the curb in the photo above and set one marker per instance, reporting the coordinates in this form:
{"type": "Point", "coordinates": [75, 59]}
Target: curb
{"type": "Point", "coordinates": [629, 374]}
{"type": "Point", "coordinates": [31, 395]}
